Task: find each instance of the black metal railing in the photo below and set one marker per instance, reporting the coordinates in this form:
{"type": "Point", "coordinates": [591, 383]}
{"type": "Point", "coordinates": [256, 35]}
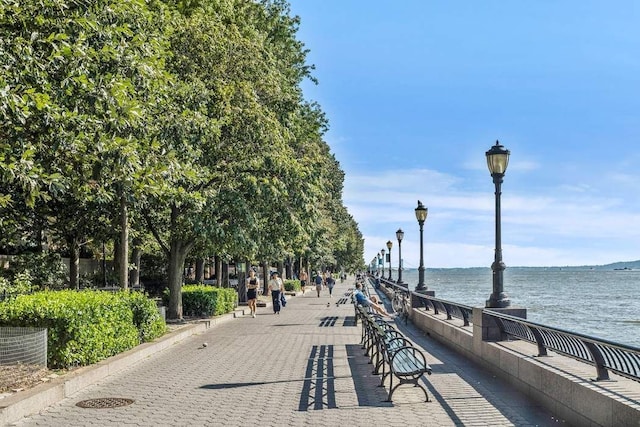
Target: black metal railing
{"type": "Point", "coordinates": [604, 355]}
{"type": "Point", "coordinates": [452, 309]}
{"type": "Point", "coordinates": [394, 285]}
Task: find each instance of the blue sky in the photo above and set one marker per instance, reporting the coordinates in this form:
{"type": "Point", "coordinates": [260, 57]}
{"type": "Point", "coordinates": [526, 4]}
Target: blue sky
{"type": "Point", "coordinates": [417, 91]}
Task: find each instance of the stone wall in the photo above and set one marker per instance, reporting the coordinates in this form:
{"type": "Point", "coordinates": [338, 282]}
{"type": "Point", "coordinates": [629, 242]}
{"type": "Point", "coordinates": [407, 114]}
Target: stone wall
{"type": "Point", "coordinates": [563, 385]}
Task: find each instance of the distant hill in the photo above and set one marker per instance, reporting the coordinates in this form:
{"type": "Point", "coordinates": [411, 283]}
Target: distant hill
{"type": "Point", "coordinates": [635, 265]}
{"type": "Point", "coordinates": [622, 265]}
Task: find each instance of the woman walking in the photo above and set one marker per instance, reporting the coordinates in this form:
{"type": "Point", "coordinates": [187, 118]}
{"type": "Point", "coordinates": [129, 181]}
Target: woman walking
{"type": "Point", "coordinates": [276, 286]}
{"type": "Point", "coordinates": [252, 284]}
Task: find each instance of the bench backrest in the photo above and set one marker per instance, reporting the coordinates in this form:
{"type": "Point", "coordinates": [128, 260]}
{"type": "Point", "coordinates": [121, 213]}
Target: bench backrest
{"type": "Point", "coordinates": [408, 361]}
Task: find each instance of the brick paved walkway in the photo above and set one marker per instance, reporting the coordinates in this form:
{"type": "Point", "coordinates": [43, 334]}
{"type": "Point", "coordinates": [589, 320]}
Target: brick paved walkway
{"type": "Point", "coordinates": [303, 367]}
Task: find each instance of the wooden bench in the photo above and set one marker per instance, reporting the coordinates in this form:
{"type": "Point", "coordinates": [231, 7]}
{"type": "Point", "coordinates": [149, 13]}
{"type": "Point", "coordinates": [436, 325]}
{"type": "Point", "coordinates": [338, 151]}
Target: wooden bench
{"type": "Point", "coordinates": [391, 353]}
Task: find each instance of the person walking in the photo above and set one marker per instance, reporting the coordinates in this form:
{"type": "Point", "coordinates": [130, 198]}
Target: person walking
{"type": "Point", "coordinates": [324, 279]}
{"type": "Point", "coordinates": [330, 281]}
{"type": "Point", "coordinates": [303, 280]}
{"type": "Point", "coordinates": [318, 281]}
{"type": "Point", "coordinates": [252, 284]}
{"type": "Point", "coordinates": [276, 286]}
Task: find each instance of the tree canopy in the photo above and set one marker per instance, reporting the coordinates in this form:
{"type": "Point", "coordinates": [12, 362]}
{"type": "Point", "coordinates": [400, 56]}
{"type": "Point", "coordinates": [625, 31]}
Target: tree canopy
{"type": "Point", "coordinates": [181, 121]}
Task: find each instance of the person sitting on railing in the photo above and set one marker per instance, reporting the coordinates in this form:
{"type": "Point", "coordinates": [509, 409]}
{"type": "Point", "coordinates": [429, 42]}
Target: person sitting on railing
{"type": "Point", "coordinates": [372, 301]}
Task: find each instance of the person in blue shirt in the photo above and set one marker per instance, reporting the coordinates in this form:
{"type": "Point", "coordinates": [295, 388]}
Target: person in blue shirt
{"type": "Point", "coordinates": [372, 302]}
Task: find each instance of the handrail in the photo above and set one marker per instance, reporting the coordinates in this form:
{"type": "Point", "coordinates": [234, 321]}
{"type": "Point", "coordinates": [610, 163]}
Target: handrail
{"type": "Point", "coordinates": [604, 355]}
{"type": "Point", "coordinates": [394, 285]}
{"type": "Point", "coordinates": [452, 309]}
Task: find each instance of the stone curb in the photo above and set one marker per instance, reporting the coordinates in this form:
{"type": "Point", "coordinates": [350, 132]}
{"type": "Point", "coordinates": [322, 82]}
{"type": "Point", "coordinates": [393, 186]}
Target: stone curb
{"type": "Point", "coordinates": [31, 401]}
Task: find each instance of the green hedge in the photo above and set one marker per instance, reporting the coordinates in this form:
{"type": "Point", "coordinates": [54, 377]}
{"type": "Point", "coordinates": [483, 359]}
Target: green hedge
{"type": "Point", "coordinates": [146, 316]}
{"type": "Point", "coordinates": [292, 285]}
{"type": "Point", "coordinates": [203, 300]}
{"type": "Point", "coordinates": [85, 327]}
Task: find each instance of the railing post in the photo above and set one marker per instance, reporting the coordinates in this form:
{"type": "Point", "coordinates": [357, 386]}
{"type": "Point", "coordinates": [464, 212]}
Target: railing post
{"type": "Point", "coordinates": [603, 373]}
{"type": "Point", "coordinates": [465, 317]}
{"type": "Point", "coordinates": [542, 350]}
{"type": "Point", "coordinates": [446, 308]}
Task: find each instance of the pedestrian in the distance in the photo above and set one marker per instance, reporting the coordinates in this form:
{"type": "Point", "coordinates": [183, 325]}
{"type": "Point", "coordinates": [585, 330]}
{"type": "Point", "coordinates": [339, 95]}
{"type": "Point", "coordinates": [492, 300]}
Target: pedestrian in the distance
{"type": "Point", "coordinates": [330, 281]}
{"type": "Point", "coordinates": [252, 284]}
{"type": "Point", "coordinates": [303, 280]}
{"type": "Point", "coordinates": [318, 281]}
{"type": "Point", "coordinates": [276, 286]}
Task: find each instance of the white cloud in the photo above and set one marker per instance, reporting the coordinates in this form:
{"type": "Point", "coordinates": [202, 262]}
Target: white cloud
{"type": "Point", "coordinates": [562, 227]}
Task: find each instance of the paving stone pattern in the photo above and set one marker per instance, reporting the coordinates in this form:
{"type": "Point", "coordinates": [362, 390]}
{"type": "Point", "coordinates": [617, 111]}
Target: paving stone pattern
{"type": "Point", "coordinates": [303, 367]}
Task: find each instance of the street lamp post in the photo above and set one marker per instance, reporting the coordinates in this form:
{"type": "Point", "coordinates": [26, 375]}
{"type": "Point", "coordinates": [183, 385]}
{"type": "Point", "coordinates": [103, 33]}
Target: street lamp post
{"type": "Point", "coordinates": [382, 252]}
{"type": "Point", "coordinates": [421, 216]}
{"type": "Point", "coordinates": [389, 246]}
{"type": "Point", "coordinates": [399, 236]}
{"type": "Point", "coordinates": [378, 265]}
{"type": "Point", "coordinates": [497, 160]}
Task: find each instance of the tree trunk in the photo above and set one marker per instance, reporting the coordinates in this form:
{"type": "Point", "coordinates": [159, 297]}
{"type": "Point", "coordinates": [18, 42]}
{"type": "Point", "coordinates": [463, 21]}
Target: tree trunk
{"type": "Point", "coordinates": [218, 271]}
{"type": "Point", "coordinates": [74, 263]}
{"type": "Point", "coordinates": [114, 268]}
{"type": "Point", "coordinates": [177, 257]}
{"type": "Point", "coordinates": [242, 285]}
{"type": "Point", "coordinates": [225, 274]}
{"type": "Point", "coordinates": [265, 280]}
{"type": "Point", "coordinates": [123, 261]}
{"type": "Point", "coordinates": [289, 268]}
{"type": "Point", "coordinates": [135, 272]}
{"type": "Point", "coordinates": [200, 270]}
{"type": "Point", "coordinates": [207, 268]}
{"type": "Point", "coordinates": [280, 269]}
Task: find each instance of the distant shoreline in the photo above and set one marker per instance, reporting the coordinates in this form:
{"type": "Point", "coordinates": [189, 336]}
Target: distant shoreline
{"type": "Point", "coordinates": [616, 266]}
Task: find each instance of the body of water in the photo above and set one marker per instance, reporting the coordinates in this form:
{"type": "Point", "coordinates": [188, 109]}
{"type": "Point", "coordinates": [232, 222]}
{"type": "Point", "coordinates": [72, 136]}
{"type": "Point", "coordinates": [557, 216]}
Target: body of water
{"type": "Point", "coordinates": [601, 303]}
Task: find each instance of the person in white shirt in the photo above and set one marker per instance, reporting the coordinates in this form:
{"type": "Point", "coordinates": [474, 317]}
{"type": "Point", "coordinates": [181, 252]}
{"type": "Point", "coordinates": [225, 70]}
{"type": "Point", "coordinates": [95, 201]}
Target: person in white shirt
{"type": "Point", "coordinates": [276, 286]}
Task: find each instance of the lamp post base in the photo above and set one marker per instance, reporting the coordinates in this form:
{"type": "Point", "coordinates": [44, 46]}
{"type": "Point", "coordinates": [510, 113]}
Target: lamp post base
{"type": "Point", "coordinates": [498, 301]}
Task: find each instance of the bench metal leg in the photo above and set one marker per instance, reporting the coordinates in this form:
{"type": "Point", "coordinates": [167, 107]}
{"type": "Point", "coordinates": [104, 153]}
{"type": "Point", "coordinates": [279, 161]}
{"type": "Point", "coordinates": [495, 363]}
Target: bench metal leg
{"type": "Point", "coordinates": [414, 381]}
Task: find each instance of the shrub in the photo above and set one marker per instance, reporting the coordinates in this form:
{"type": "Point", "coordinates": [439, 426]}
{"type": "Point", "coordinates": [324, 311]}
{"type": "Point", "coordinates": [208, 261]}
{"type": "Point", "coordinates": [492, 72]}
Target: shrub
{"type": "Point", "coordinates": [203, 300]}
{"type": "Point", "coordinates": [21, 285]}
{"type": "Point", "coordinates": [87, 326]}
{"type": "Point", "coordinates": [292, 285]}
{"type": "Point", "coordinates": [146, 316]}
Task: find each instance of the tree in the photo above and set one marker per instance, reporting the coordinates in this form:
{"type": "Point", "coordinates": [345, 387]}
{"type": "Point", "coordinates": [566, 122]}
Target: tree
{"type": "Point", "coordinates": [187, 117]}
{"type": "Point", "coordinates": [76, 81]}
{"type": "Point", "coordinates": [225, 124]}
